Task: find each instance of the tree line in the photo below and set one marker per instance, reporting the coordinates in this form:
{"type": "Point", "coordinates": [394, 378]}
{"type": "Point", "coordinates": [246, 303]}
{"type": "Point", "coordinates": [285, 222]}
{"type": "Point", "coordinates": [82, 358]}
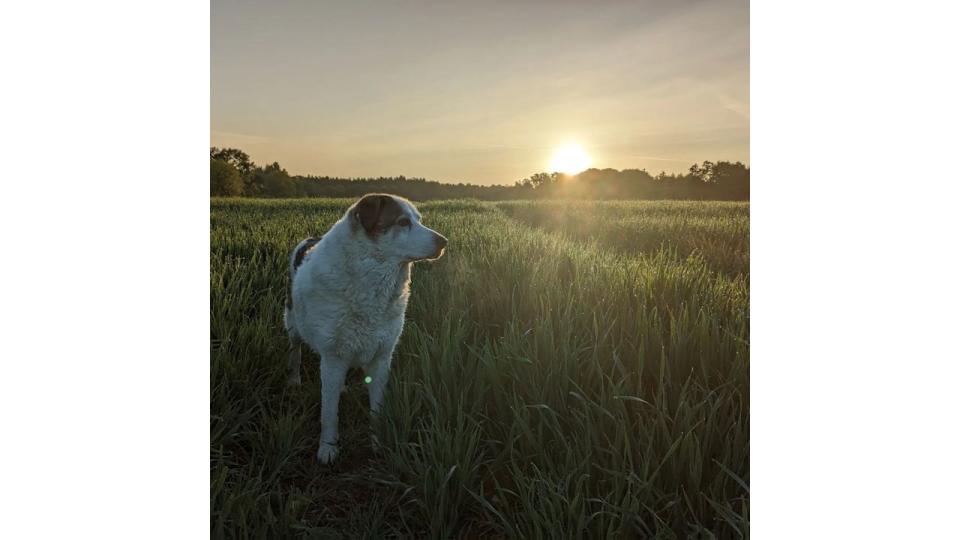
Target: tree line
{"type": "Point", "coordinates": [233, 174]}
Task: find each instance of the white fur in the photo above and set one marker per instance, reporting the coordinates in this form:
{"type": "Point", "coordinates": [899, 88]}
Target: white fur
{"type": "Point", "coordinates": [349, 297]}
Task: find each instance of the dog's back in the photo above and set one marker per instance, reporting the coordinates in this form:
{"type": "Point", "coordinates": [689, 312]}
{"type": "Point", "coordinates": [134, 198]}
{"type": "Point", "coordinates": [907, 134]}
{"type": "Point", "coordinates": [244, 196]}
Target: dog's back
{"type": "Point", "coordinates": [299, 252]}
{"type": "Point", "coordinates": [296, 259]}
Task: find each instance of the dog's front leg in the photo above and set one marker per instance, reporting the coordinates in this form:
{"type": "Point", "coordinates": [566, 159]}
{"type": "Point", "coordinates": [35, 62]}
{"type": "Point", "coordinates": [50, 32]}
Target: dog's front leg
{"type": "Point", "coordinates": [332, 373]}
{"type": "Point", "coordinates": [378, 374]}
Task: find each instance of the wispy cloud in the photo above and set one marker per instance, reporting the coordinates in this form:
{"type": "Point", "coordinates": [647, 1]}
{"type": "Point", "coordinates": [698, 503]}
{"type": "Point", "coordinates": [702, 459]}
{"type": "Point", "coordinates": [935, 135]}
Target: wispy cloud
{"type": "Point", "coordinates": [237, 138]}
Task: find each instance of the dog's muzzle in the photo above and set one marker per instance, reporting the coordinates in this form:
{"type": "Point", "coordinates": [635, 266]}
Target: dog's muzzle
{"type": "Point", "coordinates": [440, 242]}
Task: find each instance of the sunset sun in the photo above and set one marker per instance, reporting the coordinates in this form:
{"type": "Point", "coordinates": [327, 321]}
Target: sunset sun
{"type": "Point", "coordinates": [569, 159]}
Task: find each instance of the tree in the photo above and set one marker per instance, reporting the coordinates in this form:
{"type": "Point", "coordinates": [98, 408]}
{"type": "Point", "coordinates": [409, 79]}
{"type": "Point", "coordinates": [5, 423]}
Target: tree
{"type": "Point", "coordinates": [732, 180]}
{"type": "Point", "coordinates": [238, 158]}
{"type": "Point", "coordinates": [721, 180]}
{"type": "Point", "coordinates": [702, 173]}
{"type": "Point", "coordinates": [273, 181]}
{"type": "Point", "coordinates": [539, 180]}
{"type": "Point", "coordinates": [225, 180]}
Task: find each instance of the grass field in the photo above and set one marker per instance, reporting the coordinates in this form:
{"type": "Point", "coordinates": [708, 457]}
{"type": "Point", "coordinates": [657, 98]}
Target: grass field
{"type": "Point", "coordinates": [567, 370]}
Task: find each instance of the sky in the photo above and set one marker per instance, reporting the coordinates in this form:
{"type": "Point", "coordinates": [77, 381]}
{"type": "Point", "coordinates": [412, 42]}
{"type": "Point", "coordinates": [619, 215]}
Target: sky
{"type": "Point", "coordinates": [479, 92]}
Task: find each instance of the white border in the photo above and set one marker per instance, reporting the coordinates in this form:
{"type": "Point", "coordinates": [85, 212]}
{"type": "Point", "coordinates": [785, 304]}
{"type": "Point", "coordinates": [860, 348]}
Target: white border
{"type": "Point", "coordinates": [105, 380]}
{"type": "Point", "coordinates": [854, 266]}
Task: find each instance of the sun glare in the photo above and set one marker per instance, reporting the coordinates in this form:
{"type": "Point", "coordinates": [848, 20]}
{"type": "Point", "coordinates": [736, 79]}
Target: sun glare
{"type": "Point", "coordinates": [569, 159]}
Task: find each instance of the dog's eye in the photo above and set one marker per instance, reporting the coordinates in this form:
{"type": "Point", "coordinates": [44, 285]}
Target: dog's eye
{"type": "Point", "coordinates": [405, 222]}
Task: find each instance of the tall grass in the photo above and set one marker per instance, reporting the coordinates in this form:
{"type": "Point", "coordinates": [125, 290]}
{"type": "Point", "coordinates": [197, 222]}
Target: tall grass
{"type": "Point", "coordinates": [546, 385]}
{"type": "Point", "coordinates": [717, 231]}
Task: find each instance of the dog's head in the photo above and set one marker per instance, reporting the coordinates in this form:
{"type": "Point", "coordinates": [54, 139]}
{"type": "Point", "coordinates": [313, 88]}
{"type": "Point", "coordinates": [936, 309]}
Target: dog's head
{"type": "Point", "coordinates": [392, 225]}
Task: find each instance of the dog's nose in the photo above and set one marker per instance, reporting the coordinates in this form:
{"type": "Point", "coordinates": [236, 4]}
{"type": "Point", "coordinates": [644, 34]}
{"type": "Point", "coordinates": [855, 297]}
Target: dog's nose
{"type": "Point", "coordinates": [441, 242]}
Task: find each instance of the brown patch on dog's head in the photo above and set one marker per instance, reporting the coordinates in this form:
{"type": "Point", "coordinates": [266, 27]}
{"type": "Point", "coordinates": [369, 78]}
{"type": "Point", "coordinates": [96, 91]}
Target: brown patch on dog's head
{"type": "Point", "coordinates": [376, 213]}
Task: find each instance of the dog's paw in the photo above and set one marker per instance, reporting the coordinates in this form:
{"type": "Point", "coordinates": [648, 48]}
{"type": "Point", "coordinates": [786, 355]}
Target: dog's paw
{"type": "Point", "coordinates": [327, 453]}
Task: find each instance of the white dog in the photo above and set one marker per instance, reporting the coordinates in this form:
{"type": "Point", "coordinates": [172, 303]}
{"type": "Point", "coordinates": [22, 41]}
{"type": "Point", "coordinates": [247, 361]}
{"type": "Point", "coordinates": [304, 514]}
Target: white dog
{"type": "Point", "coordinates": [348, 297]}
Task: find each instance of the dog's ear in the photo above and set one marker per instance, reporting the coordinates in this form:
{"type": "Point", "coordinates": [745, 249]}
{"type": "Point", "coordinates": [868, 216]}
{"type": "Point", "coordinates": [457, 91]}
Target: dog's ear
{"type": "Point", "coordinates": [368, 211]}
